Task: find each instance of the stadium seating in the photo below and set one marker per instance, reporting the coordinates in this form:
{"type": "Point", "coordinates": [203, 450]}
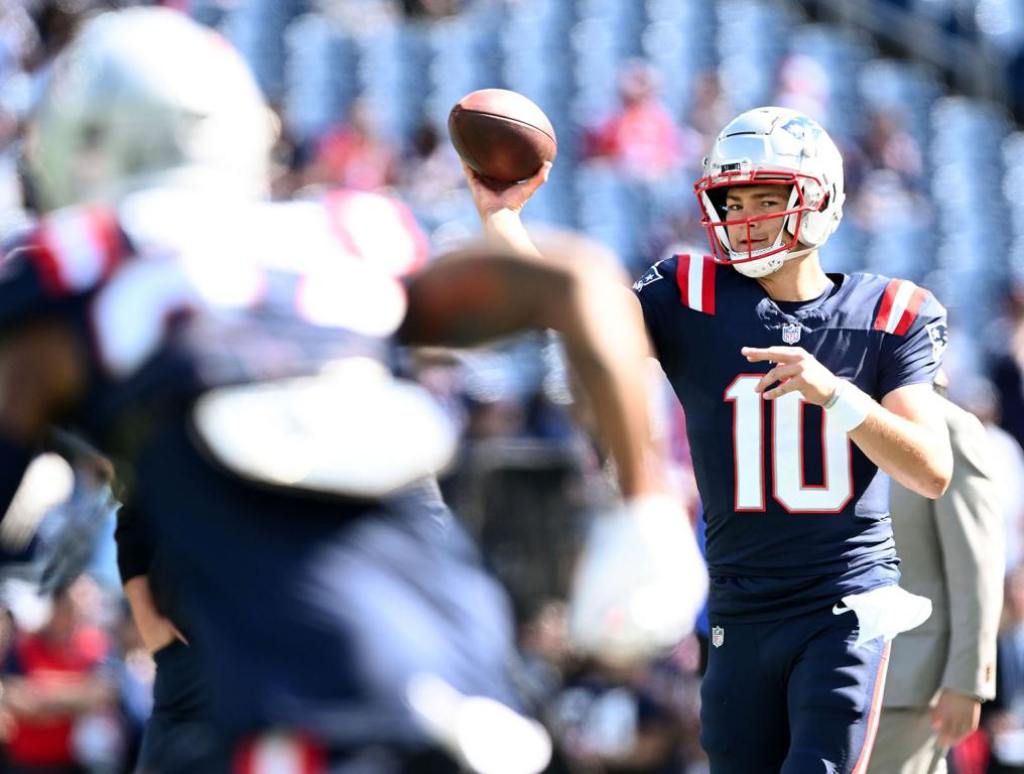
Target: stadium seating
{"type": "Point", "coordinates": [315, 60]}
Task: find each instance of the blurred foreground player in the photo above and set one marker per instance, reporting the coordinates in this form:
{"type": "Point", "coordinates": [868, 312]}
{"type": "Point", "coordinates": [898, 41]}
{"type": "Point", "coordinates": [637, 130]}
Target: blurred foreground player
{"type": "Point", "coordinates": [234, 357]}
{"type": "Point", "coordinates": [178, 735]}
{"type": "Point", "coordinates": [802, 390]}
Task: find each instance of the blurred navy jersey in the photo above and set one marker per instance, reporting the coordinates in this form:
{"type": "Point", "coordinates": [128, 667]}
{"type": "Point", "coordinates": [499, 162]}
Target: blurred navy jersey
{"type": "Point", "coordinates": [204, 323]}
{"type": "Point", "coordinates": [796, 515]}
{"type": "Point", "coordinates": [174, 295]}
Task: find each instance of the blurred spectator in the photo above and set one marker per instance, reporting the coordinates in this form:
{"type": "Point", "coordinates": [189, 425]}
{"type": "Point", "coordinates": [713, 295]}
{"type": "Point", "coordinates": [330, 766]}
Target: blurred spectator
{"type": "Point", "coordinates": [430, 179]}
{"type": "Point", "coordinates": [888, 145]}
{"type": "Point", "coordinates": [287, 162]}
{"type": "Point", "coordinates": [1007, 369]}
{"type": "Point", "coordinates": [642, 139]}
{"type": "Point", "coordinates": [18, 38]}
{"type": "Point", "coordinates": [17, 34]}
{"type": "Point", "coordinates": [135, 674]}
{"type": "Point", "coordinates": [352, 155]}
{"type": "Point", "coordinates": [893, 214]}
{"type": "Point", "coordinates": [431, 169]}
{"type": "Point", "coordinates": [803, 86]}
{"type": "Point", "coordinates": [431, 9]}
{"type": "Point", "coordinates": [544, 647]}
{"type": "Point", "coordinates": [885, 203]}
{"type": "Point", "coordinates": [60, 697]}
{"type": "Point", "coordinates": [709, 111]}
{"type": "Point", "coordinates": [615, 720]}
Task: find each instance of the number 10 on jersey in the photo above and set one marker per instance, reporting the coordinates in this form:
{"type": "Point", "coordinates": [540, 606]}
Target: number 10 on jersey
{"type": "Point", "coordinates": [788, 464]}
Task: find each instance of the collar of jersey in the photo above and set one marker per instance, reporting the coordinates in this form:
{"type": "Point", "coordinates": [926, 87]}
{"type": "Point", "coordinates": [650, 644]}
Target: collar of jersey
{"type": "Point", "coordinates": [800, 308]}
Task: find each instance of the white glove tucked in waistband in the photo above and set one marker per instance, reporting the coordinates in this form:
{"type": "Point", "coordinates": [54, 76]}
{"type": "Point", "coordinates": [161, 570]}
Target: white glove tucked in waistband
{"type": "Point", "coordinates": [885, 612]}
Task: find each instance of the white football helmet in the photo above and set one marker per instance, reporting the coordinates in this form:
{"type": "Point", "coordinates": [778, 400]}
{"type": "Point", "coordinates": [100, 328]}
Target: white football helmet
{"type": "Point", "coordinates": [773, 146]}
{"type": "Point", "coordinates": [146, 97]}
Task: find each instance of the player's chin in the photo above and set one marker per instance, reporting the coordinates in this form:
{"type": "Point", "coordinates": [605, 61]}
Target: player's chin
{"type": "Point", "coordinates": [749, 247]}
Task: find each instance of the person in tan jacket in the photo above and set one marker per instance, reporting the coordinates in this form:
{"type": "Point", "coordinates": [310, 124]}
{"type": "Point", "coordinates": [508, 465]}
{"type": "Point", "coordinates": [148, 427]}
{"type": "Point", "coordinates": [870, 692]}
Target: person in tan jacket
{"type": "Point", "coordinates": [952, 552]}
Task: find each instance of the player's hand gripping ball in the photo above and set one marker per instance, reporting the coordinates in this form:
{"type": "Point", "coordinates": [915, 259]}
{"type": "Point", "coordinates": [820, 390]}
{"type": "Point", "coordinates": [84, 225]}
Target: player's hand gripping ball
{"type": "Point", "coordinates": [501, 134]}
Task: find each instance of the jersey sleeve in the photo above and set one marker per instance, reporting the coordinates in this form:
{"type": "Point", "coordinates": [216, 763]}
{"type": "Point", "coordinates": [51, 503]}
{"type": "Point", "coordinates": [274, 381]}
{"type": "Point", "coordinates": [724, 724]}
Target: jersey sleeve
{"type": "Point", "coordinates": [63, 258]}
{"type": "Point", "coordinates": [134, 544]}
{"type": "Point", "coordinates": [23, 290]}
{"type": "Point", "coordinates": [916, 335]}
{"type": "Point", "coordinates": [670, 292]}
{"type": "Point", "coordinates": [656, 292]}
{"type": "Point", "coordinates": [379, 229]}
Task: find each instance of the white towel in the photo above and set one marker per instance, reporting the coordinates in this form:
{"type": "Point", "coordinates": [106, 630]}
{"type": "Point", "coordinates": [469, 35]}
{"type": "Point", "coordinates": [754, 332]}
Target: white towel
{"type": "Point", "coordinates": [885, 612]}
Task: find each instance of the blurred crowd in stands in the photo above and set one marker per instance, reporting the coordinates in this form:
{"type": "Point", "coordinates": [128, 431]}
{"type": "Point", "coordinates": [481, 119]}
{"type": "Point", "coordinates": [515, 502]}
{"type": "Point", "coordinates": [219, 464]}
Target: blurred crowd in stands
{"type": "Point", "coordinates": [635, 91]}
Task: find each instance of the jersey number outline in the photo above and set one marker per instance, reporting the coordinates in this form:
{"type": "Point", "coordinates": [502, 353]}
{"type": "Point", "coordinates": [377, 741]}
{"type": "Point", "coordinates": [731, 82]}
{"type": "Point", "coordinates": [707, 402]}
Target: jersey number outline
{"type": "Point", "coordinates": [787, 430]}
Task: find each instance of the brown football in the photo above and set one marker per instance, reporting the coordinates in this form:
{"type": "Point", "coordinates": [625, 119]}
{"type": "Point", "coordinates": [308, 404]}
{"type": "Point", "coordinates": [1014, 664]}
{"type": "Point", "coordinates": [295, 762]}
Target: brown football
{"type": "Point", "coordinates": [501, 134]}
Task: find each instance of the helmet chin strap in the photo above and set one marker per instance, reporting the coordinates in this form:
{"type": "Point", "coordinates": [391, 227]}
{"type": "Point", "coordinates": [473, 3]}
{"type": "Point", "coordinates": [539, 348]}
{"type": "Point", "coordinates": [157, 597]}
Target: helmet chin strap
{"type": "Point", "coordinates": [760, 269]}
{"type": "Point", "coordinates": [798, 253]}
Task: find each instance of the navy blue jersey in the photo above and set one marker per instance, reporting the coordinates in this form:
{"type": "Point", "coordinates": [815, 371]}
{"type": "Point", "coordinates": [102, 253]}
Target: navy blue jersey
{"type": "Point", "coordinates": [167, 306]}
{"type": "Point", "coordinates": [312, 609]}
{"type": "Point", "coordinates": [796, 515]}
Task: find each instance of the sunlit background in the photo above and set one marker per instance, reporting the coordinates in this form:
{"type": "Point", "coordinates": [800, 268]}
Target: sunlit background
{"type": "Point", "coordinates": [920, 94]}
{"type": "Point", "coordinates": [924, 98]}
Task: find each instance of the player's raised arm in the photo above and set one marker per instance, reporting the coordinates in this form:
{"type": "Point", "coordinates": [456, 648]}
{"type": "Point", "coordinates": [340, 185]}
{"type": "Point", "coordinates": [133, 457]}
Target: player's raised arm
{"type": "Point", "coordinates": [487, 291]}
{"type": "Point", "coordinates": [641, 580]}
{"type": "Point", "coordinates": [499, 208]}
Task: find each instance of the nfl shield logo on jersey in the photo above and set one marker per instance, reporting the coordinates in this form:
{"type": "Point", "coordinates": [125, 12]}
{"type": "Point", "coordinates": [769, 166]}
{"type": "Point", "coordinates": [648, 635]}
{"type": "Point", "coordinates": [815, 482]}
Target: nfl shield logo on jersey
{"type": "Point", "coordinates": [791, 333]}
{"type": "Point", "coordinates": [717, 636]}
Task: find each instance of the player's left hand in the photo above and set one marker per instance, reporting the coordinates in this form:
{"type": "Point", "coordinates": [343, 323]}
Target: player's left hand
{"type": "Point", "coordinates": [954, 717]}
{"type": "Point", "coordinates": [797, 370]}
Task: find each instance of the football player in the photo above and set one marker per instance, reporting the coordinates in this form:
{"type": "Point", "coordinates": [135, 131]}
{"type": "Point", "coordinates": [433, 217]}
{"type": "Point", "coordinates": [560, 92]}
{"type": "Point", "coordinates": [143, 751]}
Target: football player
{"type": "Point", "coordinates": [803, 392]}
{"type": "Point", "coordinates": [234, 357]}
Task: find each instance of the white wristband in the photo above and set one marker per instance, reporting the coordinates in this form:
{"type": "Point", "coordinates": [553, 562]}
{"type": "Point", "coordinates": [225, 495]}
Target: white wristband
{"type": "Point", "coordinates": [848, 407]}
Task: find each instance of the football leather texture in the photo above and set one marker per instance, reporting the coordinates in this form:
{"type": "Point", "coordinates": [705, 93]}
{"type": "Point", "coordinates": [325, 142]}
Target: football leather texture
{"type": "Point", "coordinates": [501, 134]}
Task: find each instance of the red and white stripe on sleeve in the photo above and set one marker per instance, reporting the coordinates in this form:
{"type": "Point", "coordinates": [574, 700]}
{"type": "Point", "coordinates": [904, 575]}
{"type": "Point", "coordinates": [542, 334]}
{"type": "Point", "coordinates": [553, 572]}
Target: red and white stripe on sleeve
{"type": "Point", "coordinates": [377, 228]}
{"type": "Point", "coordinates": [901, 302]}
{"type": "Point", "coordinates": [695, 277]}
{"type": "Point", "coordinates": [77, 248]}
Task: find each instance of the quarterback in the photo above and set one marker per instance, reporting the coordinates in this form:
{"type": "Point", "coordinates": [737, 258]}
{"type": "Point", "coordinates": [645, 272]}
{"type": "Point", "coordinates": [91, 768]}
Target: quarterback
{"type": "Point", "coordinates": [804, 392]}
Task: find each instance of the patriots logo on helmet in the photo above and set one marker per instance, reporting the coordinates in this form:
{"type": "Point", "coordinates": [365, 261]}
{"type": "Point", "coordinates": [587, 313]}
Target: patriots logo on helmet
{"type": "Point", "coordinates": [649, 276]}
{"type": "Point", "coordinates": [938, 332]}
{"type": "Point", "coordinates": [804, 130]}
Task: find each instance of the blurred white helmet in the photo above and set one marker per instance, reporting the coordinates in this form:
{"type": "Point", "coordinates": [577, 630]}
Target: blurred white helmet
{"type": "Point", "coordinates": [773, 146]}
{"type": "Point", "coordinates": [146, 97]}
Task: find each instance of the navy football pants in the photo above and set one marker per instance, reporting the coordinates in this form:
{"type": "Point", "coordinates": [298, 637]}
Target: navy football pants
{"type": "Point", "coordinates": [792, 696]}
{"type": "Point", "coordinates": [178, 738]}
